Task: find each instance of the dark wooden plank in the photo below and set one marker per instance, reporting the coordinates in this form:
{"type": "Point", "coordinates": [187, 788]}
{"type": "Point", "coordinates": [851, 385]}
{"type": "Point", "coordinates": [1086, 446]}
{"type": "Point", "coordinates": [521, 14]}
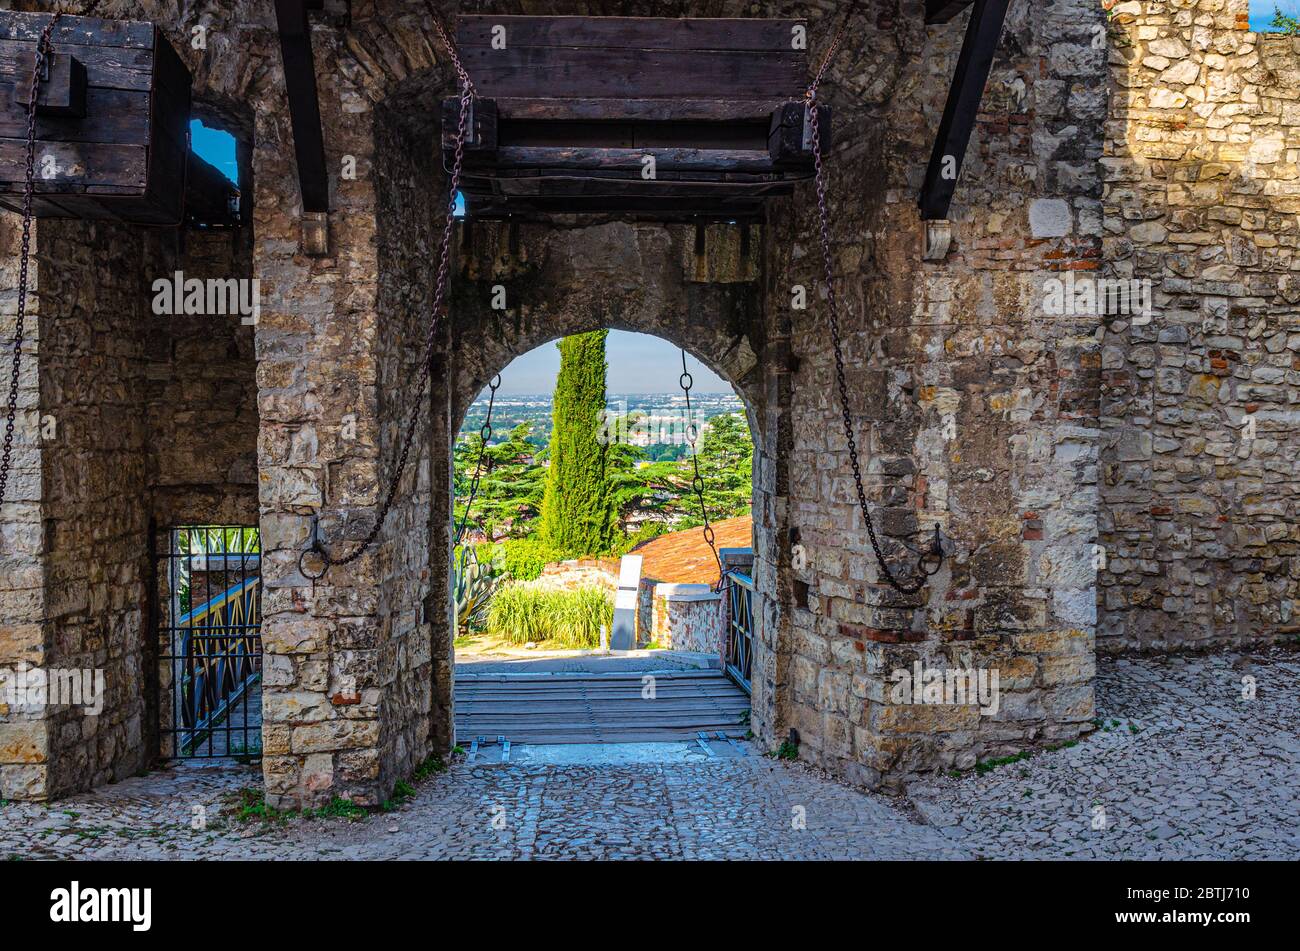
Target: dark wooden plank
{"type": "Point", "coordinates": [108, 66]}
{"type": "Point", "coordinates": [983, 33]}
{"type": "Point", "coordinates": [304, 106]}
{"type": "Point", "coordinates": [650, 110]}
{"type": "Point", "coordinates": [633, 74]}
{"type": "Point", "coordinates": [88, 31]}
{"type": "Point", "coordinates": [78, 164]}
{"type": "Point", "coordinates": [630, 32]}
{"type": "Point", "coordinates": [666, 160]}
{"type": "Point", "coordinates": [112, 115]}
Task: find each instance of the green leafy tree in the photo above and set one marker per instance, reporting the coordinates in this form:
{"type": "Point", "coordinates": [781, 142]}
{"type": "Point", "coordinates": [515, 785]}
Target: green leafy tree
{"type": "Point", "coordinates": [577, 511]}
{"type": "Point", "coordinates": [510, 487]}
{"type": "Point", "coordinates": [1284, 23]}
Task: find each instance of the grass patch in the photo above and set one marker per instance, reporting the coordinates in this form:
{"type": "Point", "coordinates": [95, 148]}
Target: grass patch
{"type": "Point", "coordinates": [251, 806]}
{"type": "Point", "coordinates": [522, 612]}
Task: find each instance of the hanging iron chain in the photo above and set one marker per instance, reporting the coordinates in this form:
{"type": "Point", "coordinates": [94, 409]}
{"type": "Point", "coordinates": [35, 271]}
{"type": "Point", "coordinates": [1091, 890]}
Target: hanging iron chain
{"type": "Point", "coordinates": [831, 51]}
{"type": "Point", "coordinates": [426, 365]}
{"type": "Point", "coordinates": [929, 562]}
{"type": "Point", "coordinates": [461, 72]}
{"type": "Point", "coordinates": [485, 434]}
{"type": "Point", "coordinates": [29, 186]}
{"type": "Point", "coordinates": [686, 381]}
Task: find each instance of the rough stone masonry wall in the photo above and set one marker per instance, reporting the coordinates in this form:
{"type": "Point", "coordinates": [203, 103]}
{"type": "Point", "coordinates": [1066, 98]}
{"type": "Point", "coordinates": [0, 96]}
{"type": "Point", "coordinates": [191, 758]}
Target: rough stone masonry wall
{"type": "Point", "coordinates": [972, 408]}
{"type": "Point", "coordinates": [1199, 407]}
{"type": "Point", "coordinates": [202, 389]}
{"type": "Point", "coordinates": [80, 554]}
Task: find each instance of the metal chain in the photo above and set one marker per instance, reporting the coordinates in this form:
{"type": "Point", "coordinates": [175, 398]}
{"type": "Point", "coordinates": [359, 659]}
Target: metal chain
{"type": "Point", "coordinates": [11, 410]}
{"type": "Point", "coordinates": [831, 51]}
{"type": "Point", "coordinates": [465, 81]}
{"type": "Point", "coordinates": [426, 365]}
{"type": "Point", "coordinates": [485, 434]}
{"type": "Point", "coordinates": [930, 561]}
{"type": "Point", "coordinates": [686, 381]}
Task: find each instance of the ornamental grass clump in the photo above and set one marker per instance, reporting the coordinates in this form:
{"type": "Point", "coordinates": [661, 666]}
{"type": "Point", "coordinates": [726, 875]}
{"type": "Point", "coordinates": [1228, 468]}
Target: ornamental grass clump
{"type": "Point", "coordinates": [523, 612]}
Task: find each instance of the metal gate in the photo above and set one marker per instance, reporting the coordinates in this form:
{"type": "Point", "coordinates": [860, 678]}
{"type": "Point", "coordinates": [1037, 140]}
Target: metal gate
{"type": "Point", "coordinates": [209, 610]}
{"type": "Point", "coordinates": [739, 659]}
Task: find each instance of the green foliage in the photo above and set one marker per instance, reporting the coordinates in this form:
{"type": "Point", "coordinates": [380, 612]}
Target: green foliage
{"type": "Point", "coordinates": [510, 485]}
{"type": "Point", "coordinates": [523, 611]}
{"type": "Point", "coordinates": [647, 531]}
{"type": "Point", "coordinates": [726, 465]}
{"type": "Point", "coordinates": [1284, 23]}
{"type": "Point", "coordinates": [577, 512]}
{"type": "Point", "coordinates": [524, 558]}
{"type": "Point", "coordinates": [472, 585]}
{"type": "Point", "coordinates": [787, 750]}
{"type": "Point", "coordinates": [250, 805]}
{"type": "Point", "coordinates": [431, 766]}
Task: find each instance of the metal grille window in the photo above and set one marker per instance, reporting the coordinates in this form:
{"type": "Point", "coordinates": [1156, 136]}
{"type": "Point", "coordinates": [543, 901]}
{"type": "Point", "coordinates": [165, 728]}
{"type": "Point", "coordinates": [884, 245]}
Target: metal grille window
{"type": "Point", "coordinates": [210, 659]}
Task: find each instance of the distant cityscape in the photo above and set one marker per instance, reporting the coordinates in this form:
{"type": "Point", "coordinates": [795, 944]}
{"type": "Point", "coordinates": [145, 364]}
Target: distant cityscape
{"type": "Point", "coordinates": [661, 428]}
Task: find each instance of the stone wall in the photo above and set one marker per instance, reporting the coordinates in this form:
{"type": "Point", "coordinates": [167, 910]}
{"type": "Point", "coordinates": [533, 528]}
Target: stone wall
{"type": "Point", "coordinates": [975, 406]}
{"type": "Point", "coordinates": [201, 388]}
{"type": "Point", "coordinates": [972, 409]}
{"type": "Point", "coordinates": [687, 617]}
{"type": "Point", "coordinates": [81, 553]}
{"type": "Point", "coordinates": [1199, 405]}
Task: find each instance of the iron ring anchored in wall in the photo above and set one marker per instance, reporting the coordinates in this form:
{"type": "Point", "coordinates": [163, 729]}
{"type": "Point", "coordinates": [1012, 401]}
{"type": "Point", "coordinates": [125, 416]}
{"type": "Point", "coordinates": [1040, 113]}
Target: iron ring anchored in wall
{"type": "Point", "coordinates": [317, 548]}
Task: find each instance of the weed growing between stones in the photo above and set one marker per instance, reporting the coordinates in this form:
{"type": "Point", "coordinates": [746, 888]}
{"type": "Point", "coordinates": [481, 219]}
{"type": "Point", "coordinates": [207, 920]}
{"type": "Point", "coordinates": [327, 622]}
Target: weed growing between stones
{"type": "Point", "coordinates": [788, 750]}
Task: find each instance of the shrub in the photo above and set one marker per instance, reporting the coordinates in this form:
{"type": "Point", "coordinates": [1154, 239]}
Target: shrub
{"type": "Point", "coordinates": [523, 611]}
{"type": "Point", "coordinates": [524, 558]}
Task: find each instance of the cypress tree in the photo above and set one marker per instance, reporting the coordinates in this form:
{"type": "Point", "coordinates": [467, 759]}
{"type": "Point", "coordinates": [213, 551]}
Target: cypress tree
{"type": "Point", "coordinates": [577, 508]}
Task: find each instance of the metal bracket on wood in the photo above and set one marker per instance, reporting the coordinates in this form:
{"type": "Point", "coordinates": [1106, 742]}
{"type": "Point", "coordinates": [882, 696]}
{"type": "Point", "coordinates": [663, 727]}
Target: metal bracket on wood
{"type": "Point", "coordinates": [938, 239]}
{"type": "Point", "coordinates": [304, 117]}
{"type": "Point", "coordinates": [702, 739]}
{"type": "Point", "coordinates": [959, 113]}
{"type": "Point", "coordinates": [315, 233]}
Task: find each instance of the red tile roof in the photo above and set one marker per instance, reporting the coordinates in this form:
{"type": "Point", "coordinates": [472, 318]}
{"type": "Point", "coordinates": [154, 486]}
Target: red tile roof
{"type": "Point", "coordinates": [684, 557]}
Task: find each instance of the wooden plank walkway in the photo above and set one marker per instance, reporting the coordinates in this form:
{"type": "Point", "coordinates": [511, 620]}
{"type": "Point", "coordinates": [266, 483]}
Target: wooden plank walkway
{"type": "Point", "coordinates": [598, 707]}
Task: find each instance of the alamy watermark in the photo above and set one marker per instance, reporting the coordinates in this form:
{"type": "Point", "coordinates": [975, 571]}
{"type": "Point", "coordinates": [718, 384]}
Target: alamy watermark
{"type": "Point", "coordinates": [25, 686]}
{"type": "Point", "coordinates": [1073, 296]}
{"type": "Point", "coordinates": [179, 295]}
{"type": "Point", "coordinates": [946, 686]}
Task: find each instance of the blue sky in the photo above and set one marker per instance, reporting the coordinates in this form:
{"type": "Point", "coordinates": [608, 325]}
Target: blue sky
{"type": "Point", "coordinates": [638, 363]}
{"type": "Point", "coordinates": [215, 147]}
{"type": "Point", "coordinates": [1261, 11]}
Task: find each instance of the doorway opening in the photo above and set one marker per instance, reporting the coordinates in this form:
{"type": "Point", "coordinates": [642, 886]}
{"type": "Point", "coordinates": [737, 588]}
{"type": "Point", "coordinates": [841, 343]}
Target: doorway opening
{"type": "Point", "coordinates": [208, 605]}
{"type": "Point", "coordinates": [602, 525]}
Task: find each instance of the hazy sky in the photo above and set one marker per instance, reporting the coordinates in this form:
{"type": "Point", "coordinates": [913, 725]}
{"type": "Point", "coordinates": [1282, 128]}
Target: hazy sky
{"type": "Point", "coordinates": [1261, 11]}
{"type": "Point", "coordinates": [638, 363]}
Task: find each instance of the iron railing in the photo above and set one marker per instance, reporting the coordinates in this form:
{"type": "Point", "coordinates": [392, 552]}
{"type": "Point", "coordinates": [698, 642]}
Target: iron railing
{"type": "Point", "coordinates": [738, 660]}
{"type": "Point", "coordinates": [211, 645]}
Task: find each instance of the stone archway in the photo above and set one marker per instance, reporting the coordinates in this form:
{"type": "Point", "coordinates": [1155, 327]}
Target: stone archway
{"type": "Point", "coordinates": [640, 277]}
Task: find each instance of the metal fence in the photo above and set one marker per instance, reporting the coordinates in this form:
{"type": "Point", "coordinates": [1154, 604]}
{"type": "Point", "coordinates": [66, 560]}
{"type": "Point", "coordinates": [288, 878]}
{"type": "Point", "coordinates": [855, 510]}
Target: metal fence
{"type": "Point", "coordinates": [739, 659]}
{"type": "Point", "coordinates": [210, 658]}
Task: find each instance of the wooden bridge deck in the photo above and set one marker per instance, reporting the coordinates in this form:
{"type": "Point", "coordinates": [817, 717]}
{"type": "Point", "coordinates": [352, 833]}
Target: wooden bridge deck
{"type": "Point", "coordinates": [598, 707]}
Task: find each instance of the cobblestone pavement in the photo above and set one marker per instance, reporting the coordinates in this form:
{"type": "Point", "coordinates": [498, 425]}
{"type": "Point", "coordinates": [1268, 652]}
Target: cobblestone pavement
{"type": "Point", "coordinates": [1183, 767]}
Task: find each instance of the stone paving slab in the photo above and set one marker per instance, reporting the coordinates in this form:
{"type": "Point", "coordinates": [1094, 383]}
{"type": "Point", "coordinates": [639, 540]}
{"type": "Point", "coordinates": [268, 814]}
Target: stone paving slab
{"type": "Point", "coordinates": [1182, 768]}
